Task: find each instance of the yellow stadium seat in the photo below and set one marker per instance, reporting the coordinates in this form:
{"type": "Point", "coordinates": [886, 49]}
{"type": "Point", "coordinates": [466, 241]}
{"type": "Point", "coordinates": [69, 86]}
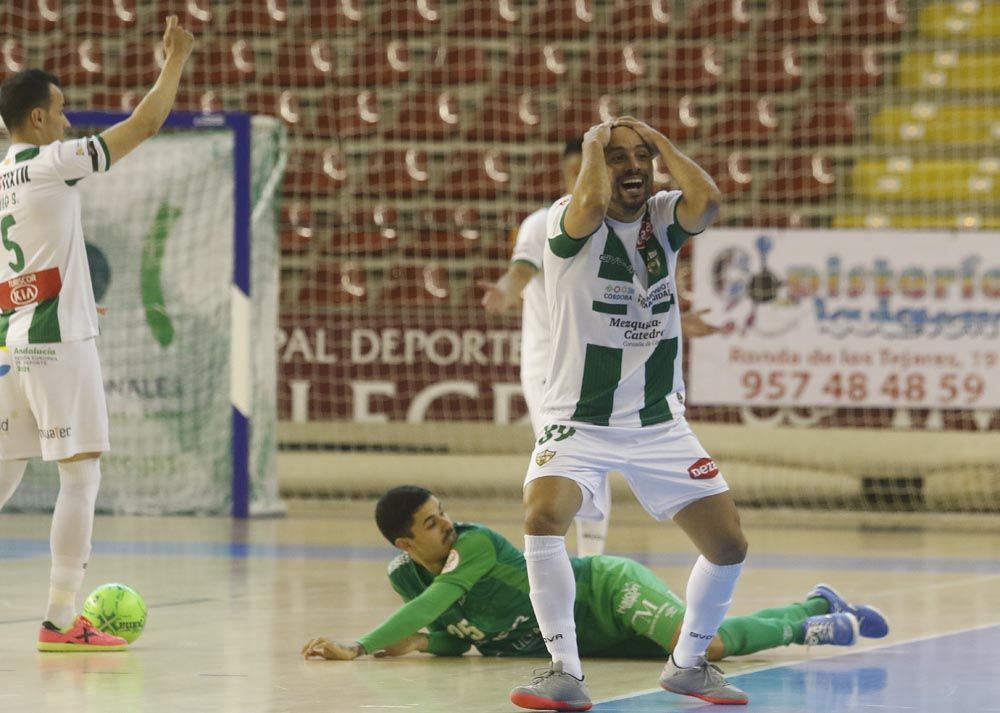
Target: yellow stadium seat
{"type": "Point", "coordinates": [921, 221]}
{"type": "Point", "coordinates": [948, 69]}
{"type": "Point", "coordinates": [965, 18]}
{"type": "Point", "coordinates": [904, 178]}
{"type": "Point", "coordinates": [930, 123]}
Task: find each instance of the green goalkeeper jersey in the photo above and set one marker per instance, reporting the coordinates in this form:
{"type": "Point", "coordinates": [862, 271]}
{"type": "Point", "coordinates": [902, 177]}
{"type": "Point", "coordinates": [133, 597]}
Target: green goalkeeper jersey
{"type": "Point", "coordinates": [481, 599]}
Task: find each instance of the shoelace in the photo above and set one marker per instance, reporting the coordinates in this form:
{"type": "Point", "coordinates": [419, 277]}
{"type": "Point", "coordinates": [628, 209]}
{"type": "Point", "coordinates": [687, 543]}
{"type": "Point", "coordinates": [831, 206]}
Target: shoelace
{"type": "Point", "coordinates": [540, 674]}
{"type": "Point", "coordinates": [818, 632]}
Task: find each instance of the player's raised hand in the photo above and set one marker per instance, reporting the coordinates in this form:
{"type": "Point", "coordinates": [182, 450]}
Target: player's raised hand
{"type": "Point", "coordinates": [322, 648]}
{"type": "Point", "coordinates": [601, 133]}
{"type": "Point", "coordinates": [646, 132]}
{"type": "Point", "coordinates": [496, 299]}
{"type": "Point", "coordinates": [176, 40]}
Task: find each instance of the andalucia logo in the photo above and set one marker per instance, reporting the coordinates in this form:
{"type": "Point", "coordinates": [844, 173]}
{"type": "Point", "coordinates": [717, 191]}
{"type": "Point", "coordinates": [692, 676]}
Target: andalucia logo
{"type": "Point", "coordinates": [544, 457]}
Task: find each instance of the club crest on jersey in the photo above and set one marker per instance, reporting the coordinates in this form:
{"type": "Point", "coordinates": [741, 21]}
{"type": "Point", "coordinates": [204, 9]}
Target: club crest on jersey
{"type": "Point", "coordinates": [703, 469]}
{"type": "Point", "coordinates": [451, 564]}
{"type": "Point", "coordinates": [544, 457]}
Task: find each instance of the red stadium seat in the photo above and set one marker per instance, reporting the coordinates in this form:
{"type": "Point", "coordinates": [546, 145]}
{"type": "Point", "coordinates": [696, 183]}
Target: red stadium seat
{"type": "Point", "coordinates": [427, 115]}
{"type": "Point", "coordinates": [732, 172]}
{"type": "Point", "coordinates": [534, 66]}
{"type": "Point", "coordinates": [745, 121]}
{"type": "Point", "coordinates": [75, 63]}
{"type": "Point", "coordinates": [12, 57]}
{"type": "Point", "coordinates": [716, 19]}
{"type": "Point", "coordinates": [284, 105]}
{"type": "Point", "coordinates": [614, 69]}
{"type": "Point", "coordinates": [369, 232]}
{"type": "Point", "coordinates": [823, 122]}
{"type": "Point", "coordinates": [440, 242]}
{"type": "Point", "coordinates": [139, 65]}
{"type": "Point", "coordinates": [304, 64]}
{"type": "Point", "coordinates": [333, 282]}
{"type": "Point", "coordinates": [258, 17]}
{"type": "Point", "coordinates": [544, 181]}
{"type": "Point", "coordinates": [485, 19]}
{"type": "Point", "coordinates": [23, 17]}
{"type": "Point", "coordinates": [851, 70]}
{"type": "Point", "coordinates": [296, 226]}
{"type": "Point", "coordinates": [315, 173]}
{"type": "Point", "coordinates": [452, 64]}
{"type": "Point", "coordinates": [396, 174]}
{"type": "Point", "coordinates": [507, 117]}
{"type": "Point", "coordinates": [476, 176]}
{"type": "Point", "coordinates": [116, 100]}
{"type": "Point", "coordinates": [191, 14]}
{"type": "Point", "coordinates": [638, 20]}
{"type": "Point", "coordinates": [801, 178]}
{"type": "Point", "coordinates": [676, 117]}
{"type": "Point", "coordinates": [873, 20]}
{"type": "Point", "coordinates": [379, 65]}
{"type": "Point", "coordinates": [207, 102]}
{"type": "Point", "coordinates": [348, 115]}
{"type": "Point", "coordinates": [408, 18]}
{"type": "Point", "coordinates": [105, 17]}
{"type": "Point", "coordinates": [787, 20]}
{"type": "Point", "coordinates": [416, 285]}
{"type": "Point", "coordinates": [222, 63]}
{"type": "Point", "coordinates": [560, 20]}
{"type": "Point", "coordinates": [691, 68]}
{"type": "Point", "coordinates": [771, 70]}
{"type": "Point", "coordinates": [575, 113]}
{"type": "Point", "coordinates": [325, 18]}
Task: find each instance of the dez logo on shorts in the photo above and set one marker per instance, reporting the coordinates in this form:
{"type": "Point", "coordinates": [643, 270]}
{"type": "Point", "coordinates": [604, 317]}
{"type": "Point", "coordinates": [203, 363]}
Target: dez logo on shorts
{"type": "Point", "coordinates": [703, 469]}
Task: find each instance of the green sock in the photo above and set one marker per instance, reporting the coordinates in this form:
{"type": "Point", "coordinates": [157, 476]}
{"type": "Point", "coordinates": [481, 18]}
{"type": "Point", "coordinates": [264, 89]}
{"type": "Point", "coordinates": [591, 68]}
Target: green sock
{"type": "Point", "coordinates": [768, 628]}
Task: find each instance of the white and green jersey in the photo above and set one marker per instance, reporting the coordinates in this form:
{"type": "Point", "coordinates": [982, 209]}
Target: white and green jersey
{"type": "Point", "coordinates": [535, 341]}
{"type": "Point", "coordinates": [45, 290]}
{"type": "Point", "coordinates": [615, 324]}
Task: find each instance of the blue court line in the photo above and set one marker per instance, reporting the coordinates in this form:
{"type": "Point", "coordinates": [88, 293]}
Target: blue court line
{"type": "Point", "coordinates": [11, 548]}
{"type": "Point", "coordinates": [950, 673]}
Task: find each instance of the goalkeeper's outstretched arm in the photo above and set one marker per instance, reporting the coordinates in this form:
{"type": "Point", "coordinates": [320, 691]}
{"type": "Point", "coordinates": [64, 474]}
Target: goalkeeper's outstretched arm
{"type": "Point", "coordinates": [152, 111]}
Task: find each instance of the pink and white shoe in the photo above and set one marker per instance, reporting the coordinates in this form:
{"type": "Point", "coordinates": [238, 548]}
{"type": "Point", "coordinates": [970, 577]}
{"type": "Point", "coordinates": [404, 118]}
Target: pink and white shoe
{"type": "Point", "coordinates": [81, 636]}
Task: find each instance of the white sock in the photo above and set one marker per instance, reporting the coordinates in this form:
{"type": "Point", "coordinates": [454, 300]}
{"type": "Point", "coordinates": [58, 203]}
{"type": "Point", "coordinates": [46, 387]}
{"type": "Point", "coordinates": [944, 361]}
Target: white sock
{"type": "Point", "coordinates": [709, 594]}
{"type": "Point", "coordinates": [591, 536]}
{"type": "Point", "coordinates": [72, 528]}
{"type": "Point", "coordinates": [553, 592]}
{"type": "Point", "coordinates": [11, 472]}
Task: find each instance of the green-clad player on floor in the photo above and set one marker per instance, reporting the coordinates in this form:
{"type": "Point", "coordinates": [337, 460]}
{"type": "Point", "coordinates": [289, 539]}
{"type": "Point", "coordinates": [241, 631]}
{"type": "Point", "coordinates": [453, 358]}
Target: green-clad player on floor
{"type": "Point", "coordinates": [468, 586]}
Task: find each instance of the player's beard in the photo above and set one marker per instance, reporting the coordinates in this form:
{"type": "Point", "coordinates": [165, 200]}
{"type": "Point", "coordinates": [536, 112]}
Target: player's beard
{"type": "Point", "coordinates": [624, 204]}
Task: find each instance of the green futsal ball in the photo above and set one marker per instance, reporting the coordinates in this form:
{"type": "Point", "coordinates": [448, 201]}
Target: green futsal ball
{"type": "Point", "coordinates": [116, 609]}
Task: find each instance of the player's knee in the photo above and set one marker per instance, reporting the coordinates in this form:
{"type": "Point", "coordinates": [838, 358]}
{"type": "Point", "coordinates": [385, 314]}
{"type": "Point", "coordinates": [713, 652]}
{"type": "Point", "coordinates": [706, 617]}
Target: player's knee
{"type": "Point", "coordinates": [729, 550]}
{"type": "Point", "coordinates": [81, 456]}
{"type": "Point", "coordinates": [544, 519]}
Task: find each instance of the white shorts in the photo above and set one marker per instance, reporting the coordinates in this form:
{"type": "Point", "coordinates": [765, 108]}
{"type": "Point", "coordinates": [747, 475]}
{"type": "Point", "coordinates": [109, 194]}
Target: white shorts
{"type": "Point", "coordinates": [665, 465]}
{"type": "Point", "coordinates": [52, 401]}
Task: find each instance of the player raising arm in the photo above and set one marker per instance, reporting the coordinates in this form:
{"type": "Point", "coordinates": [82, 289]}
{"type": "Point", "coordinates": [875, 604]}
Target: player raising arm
{"type": "Point", "coordinates": [52, 401]}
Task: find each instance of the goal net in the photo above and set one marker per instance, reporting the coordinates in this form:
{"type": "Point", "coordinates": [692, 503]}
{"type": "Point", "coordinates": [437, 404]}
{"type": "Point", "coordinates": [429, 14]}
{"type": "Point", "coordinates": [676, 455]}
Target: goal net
{"type": "Point", "coordinates": [181, 369]}
{"type": "Point", "coordinates": [854, 142]}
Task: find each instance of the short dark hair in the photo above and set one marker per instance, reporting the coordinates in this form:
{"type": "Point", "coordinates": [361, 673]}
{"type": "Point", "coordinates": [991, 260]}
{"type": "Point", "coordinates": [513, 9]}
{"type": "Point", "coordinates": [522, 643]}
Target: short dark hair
{"type": "Point", "coordinates": [394, 510]}
{"type": "Point", "coordinates": [22, 92]}
{"type": "Point", "coordinates": [573, 147]}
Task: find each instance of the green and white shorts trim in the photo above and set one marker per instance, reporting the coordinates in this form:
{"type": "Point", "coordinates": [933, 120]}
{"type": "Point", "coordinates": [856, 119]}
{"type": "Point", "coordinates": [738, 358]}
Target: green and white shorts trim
{"type": "Point", "coordinates": [52, 401]}
{"type": "Point", "coordinates": [665, 465]}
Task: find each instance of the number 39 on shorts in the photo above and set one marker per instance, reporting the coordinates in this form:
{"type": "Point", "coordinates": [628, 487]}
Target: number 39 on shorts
{"type": "Point", "coordinates": [555, 433]}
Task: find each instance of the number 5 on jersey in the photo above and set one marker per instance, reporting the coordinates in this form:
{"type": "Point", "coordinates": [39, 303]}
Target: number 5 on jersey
{"type": "Point", "coordinates": [5, 225]}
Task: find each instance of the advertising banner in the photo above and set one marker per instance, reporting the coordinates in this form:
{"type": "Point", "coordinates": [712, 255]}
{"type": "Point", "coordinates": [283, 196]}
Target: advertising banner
{"type": "Point", "coordinates": [847, 319]}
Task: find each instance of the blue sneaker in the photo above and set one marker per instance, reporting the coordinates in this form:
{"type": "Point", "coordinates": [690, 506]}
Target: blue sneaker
{"type": "Point", "coordinates": [840, 629]}
{"type": "Point", "coordinates": [872, 623]}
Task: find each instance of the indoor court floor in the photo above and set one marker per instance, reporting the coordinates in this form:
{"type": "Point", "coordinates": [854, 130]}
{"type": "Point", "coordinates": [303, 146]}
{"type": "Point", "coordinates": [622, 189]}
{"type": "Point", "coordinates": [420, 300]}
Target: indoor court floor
{"type": "Point", "coordinates": [231, 604]}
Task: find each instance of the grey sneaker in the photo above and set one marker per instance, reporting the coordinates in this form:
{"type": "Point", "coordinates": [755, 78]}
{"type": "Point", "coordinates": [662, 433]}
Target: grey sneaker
{"type": "Point", "coordinates": [704, 681]}
{"type": "Point", "coordinates": [552, 690]}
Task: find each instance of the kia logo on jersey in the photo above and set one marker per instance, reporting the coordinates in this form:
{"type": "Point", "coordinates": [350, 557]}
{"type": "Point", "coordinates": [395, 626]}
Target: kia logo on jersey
{"type": "Point", "coordinates": [21, 296]}
{"type": "Point", "coordinates": [703, 469]}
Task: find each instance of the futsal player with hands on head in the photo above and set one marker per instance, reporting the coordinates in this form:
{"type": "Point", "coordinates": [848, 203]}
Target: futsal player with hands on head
{"type": "Point", "coordinates": [52, 401]}
{"type": "Point", "coordinates": [614, 401]}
